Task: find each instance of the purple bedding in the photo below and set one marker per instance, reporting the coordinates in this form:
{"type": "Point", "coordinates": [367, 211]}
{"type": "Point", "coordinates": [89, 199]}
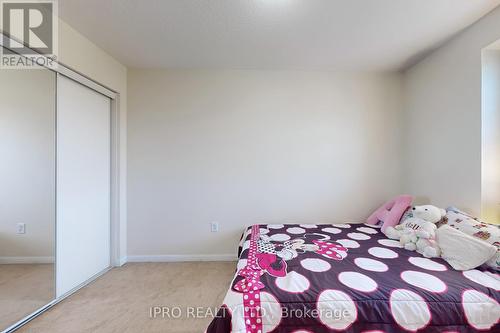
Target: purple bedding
{"type": "Point", "coordinates": [350, 278]}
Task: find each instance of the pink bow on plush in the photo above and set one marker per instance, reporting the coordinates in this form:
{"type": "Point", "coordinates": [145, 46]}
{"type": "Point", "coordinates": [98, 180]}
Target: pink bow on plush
{"type": "Point", "coordinates": [330, 250]}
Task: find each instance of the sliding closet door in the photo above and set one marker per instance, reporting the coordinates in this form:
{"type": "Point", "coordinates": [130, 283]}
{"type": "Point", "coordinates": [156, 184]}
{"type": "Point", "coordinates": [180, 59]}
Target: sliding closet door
{"type": "Point", "coordinates": [83, 184]}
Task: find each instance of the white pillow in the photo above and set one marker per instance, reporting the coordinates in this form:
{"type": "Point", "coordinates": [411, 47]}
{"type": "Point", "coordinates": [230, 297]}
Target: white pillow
{"type": "Point", "coordinates": [461, 251]}
{"type": "Point", "coordinates": [472, 226]}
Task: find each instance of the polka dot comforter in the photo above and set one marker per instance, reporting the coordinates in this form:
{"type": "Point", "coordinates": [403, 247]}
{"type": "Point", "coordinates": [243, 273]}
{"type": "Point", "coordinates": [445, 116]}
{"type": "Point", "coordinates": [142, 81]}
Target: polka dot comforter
{"type": "Point", "coordinates": [350, 278]}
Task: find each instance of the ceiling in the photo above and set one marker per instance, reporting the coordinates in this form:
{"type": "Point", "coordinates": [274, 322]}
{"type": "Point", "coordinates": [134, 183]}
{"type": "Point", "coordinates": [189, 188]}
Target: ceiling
{"type": "Point", "coordinates": [271, 34]}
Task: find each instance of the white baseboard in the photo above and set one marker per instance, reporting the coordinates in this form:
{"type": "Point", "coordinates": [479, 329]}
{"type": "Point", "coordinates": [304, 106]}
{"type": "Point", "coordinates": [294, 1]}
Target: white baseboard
{"type": "Point", "coordinates": [122, 261]}
{"type": "Point", "coordinates": [27, 260]}
{"type": "Point", "coordinates": [182, 258]}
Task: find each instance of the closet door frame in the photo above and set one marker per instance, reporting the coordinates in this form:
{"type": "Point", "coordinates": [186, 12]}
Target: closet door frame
{"type": "Point", "coordinates": [116, 191]}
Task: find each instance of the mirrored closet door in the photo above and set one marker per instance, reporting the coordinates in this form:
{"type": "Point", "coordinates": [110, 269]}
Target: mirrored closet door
{"type": "Point", "coordinates": [55, 188]}
{"type": "Point", "coordinates": [27, 192]}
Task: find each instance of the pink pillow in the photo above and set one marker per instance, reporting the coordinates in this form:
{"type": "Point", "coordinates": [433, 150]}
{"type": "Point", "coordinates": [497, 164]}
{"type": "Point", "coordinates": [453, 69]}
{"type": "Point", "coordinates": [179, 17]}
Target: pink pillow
{"type": "Point", "coordinates": [391, 212]}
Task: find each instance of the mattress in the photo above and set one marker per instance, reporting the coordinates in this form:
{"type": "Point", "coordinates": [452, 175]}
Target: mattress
{"type": "Point", "coordinates": [350, 278]}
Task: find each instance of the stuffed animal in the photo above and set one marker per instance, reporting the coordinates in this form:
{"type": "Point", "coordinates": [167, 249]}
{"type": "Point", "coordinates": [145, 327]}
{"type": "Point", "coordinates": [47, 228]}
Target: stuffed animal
{"type": "Point", "coordinates": [408, 237]}
{"type": "Point", "coordinates": [418, 232]}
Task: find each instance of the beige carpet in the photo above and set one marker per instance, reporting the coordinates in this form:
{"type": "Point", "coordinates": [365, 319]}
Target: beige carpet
{"type": "Point", "coordinates": [24, 288]}
{"type": "Point", "coordinates": [121, 300]}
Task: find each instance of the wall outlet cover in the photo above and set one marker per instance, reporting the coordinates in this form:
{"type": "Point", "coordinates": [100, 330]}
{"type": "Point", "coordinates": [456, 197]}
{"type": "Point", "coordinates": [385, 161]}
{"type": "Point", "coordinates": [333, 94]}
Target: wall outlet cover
{"type": "Point", "coordinates": [21, 228]}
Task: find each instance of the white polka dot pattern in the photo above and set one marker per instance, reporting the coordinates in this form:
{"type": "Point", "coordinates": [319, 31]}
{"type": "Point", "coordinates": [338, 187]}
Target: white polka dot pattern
{"type": "Point", "coordinates": [293, 282]}
{"type": "Point", "coordinates": [263, 231]}
{"type": "Point", "coordinates": [390, 243]}
{"type": "Point", "coordinates": [309, 226]}
{"type": "Point", "coordinates": [482, 279]}
{"type": "Point", "coordinates": [371, 265]}
{"type": "Point", "coordinates": [315, 265]}
{"type": "Point", "coordinates": [295, 231]}
{"type": "Point", "coordinates": [428, 264]}
{"type": "Point", "coordinates": [481, 311]}
{"type": "Point", "coordinates": [275, 226]}
{"type": "Point", "coordinates": [233, 302]}
{"type": "Point", "coordinates": [342, 225]}
{"type": "Point", "coordinates": [349, 243]}
{"type": "Point", "coordinates": [382, 253]}
{"type": "Point", "coordinates": [367, 230]}
{"type": "Point", "coordinates": [272, 310]}
{"type": "Point", "coordinates": [241, 264]}
{"type": "Point", "coordinates": [358, 236]}
{"type": "Point", "coordinates": [332, 230]}
{"type": "Point", "coordinates": [424, 281]}
{"type": "Point", "coordinates": [280, 237]}
{"type": "Point", "coordinates": [335, 301]}
{"type": "Point", "coordinates": [409, 310]}
{"type": "Point", "coordinates": [358, 281]}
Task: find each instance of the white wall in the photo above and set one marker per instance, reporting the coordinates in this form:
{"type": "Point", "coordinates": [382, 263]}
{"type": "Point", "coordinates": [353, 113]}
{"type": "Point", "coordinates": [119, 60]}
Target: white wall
{"type": "Point", "coordinates": [491, 135]}
{"type": "Point", "coordinates": [442, 120]}
{"type": "Point", "coordinates": [76, 51]}
{"type": "Point", "coordinates": [27, 168]}
{"type": "Point", "coordinates": [244, 147]}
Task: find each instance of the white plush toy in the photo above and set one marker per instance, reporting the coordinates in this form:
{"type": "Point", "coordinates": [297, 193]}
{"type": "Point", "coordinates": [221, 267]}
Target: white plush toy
{"type": "Point", "coordinates": [418, 232]}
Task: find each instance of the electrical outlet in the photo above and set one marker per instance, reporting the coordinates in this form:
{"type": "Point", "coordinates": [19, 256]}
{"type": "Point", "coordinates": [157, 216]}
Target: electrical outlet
{"type": "Point", "coordinates": [214, 227]}
{"type": "Point", "coordinates": [21, 228]}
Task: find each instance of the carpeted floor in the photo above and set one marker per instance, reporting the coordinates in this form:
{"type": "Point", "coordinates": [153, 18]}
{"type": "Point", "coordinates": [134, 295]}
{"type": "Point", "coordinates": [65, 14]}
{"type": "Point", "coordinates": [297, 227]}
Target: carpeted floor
{"type": "Point", "coordinates": [122, 300]}
{"type": "Point", "coordinates": [24, 288]}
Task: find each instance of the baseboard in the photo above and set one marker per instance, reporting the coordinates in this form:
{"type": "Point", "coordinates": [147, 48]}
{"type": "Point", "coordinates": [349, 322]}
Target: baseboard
{"type": "Point", "coordinates": [182, 257]}
{"type": "Point", "coordinates": [27, 260]}
{"type": "Point", "coordinates": [122, 261]}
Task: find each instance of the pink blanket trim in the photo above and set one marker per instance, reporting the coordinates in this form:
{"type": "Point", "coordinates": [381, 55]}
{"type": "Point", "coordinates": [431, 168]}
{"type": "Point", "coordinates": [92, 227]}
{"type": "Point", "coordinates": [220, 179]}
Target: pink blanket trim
{"type": "Point", "coordinates": [250, 286]}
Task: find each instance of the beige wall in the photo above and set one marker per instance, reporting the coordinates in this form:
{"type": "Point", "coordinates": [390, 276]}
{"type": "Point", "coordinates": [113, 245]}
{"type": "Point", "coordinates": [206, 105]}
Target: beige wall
{"type": "Point", "coordinates": [244, 147]}
{"type": "Point", "coordinates": [442, 120]}
{"type": "Point", "coordinates": [79, 53]}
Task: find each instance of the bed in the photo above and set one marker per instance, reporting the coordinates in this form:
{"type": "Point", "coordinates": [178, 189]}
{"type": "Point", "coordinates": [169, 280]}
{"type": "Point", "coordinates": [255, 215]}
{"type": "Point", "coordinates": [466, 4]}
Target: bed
{"type": "Point", "coordinates": [349, 277]}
